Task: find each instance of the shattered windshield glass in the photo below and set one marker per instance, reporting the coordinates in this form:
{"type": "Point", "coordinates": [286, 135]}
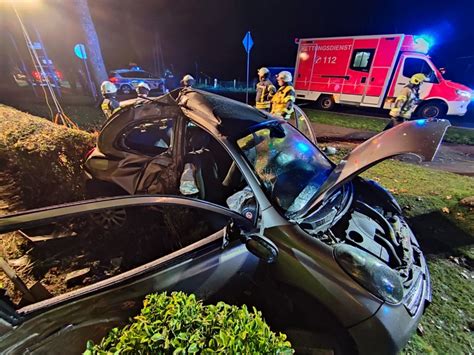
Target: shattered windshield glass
{"type": "Point", "coordinates": [290, 168]}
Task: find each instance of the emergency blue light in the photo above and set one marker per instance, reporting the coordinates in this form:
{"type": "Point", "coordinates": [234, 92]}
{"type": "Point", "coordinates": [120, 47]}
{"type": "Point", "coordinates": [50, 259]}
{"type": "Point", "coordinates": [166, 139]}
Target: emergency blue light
{"type": "Point", "coordinates": [420, 122]}
{"type": "Point", "coordinates": [423, 43]}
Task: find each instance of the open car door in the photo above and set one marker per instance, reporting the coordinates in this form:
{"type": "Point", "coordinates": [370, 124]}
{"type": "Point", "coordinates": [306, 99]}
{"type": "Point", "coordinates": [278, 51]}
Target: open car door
{"type": "Point", "coordinates": [98, 279]}
{"type": "Point", "coordinates": [303, 124]}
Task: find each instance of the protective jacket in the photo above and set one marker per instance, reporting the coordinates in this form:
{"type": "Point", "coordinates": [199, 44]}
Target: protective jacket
{"type": "Point", "coordinates": [283, 101]}
{"type": "Point", "coordinates": [109, 105]}
{"type": "Point", "coordinates": [265, 92]}
{"type": "Point", "coordinates": [406, 102]}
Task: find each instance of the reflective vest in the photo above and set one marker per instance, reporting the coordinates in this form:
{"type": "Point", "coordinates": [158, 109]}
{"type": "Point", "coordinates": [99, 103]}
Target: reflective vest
{"type": "Point", "coordinates": [108, 106]}
{"type": "Point", "coordinates": [282, 102]}
{"type": "Point", "coordinates": [265, 91]}
{"type": "Point", "coordinates": [405, 103]}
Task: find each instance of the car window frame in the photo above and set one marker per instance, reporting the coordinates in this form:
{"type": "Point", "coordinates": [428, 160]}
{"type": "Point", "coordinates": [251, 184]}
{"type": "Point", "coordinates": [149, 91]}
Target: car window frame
{"type": "Point", "coordinates": [88, 206]}
{"type": "Point", "coordinates": [369, 62]}
{"type": "Point", "coordinates": [433, 79]}
{"type": "Point", "coordinates": [120, 139]}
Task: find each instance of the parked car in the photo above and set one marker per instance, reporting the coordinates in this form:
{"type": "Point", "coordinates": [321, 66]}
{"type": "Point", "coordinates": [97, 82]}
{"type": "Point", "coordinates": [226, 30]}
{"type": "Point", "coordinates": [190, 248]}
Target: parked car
{"type": "Point", "coordinates": [326, 255]}
{"type": "Point", "coordinates": [126, 80]}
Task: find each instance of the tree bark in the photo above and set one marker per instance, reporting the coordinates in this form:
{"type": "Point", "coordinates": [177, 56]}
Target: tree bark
{"type": "Point", "coordinates": [94, 53]}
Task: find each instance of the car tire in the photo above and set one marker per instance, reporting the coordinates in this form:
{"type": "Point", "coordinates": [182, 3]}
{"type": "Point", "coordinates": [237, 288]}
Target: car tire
{"type": "Point", "coordinates": [306, 342]}
{"type": "Point", "coordinates": [110, 220]}
{"type": "Point", "coordinates": [326, 103]}
{"type": "Point", "coordinates": [126, 89]}
{"type": "Point", "coordinates": [432, 110]}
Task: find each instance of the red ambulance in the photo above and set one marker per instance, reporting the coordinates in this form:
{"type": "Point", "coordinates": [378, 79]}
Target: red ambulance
{"type": "Point", "coordinates": [370, 71]}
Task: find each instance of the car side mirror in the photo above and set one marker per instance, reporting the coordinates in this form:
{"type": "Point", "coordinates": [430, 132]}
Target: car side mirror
{"type": "Point", "coordinates": [262, 248]}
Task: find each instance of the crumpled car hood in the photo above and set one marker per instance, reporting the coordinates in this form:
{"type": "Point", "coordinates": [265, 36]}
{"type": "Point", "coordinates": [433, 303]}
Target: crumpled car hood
{"type": "Point", "coordinates": [421, 138]}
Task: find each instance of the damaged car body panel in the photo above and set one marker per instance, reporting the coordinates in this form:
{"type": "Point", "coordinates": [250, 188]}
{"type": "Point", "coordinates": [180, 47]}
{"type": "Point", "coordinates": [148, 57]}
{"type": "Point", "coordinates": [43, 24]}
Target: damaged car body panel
{"type": "Point", "coordinates": [68, 320]}
{"type": "Point", "coordinates": [332, 249]}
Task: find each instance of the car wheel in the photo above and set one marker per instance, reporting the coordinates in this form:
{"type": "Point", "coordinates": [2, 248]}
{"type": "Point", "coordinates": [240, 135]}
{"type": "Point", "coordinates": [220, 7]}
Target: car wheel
{"type": "Point", "coordinates": [110, 220]}
{"type": "Point", "coordinates": [326, 103]}
{"type": "Point", "coordinates": [432, 110]}
{"type": "Point", "coordinates": [125, 89]}
{"type": "Point", "coordinates": [307, 342]}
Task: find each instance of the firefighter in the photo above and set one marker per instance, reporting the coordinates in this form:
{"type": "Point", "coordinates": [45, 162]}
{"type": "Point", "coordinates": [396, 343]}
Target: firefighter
{"type": "Point", "coordinates": [188, 81]}
{"type": "Point", "coordinates": [110, 102]}
{"type": "Point", "coordinates": [265, 90]}
{"type": "Point", "coordinates": [284, 99]}
{"type": "Point", "coordinates": [143, 89]}
{"type": "Point", "coordinates": [406, 101]}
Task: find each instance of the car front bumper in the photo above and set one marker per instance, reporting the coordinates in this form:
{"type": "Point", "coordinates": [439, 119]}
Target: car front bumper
{"type": "Point", "coordinates": [457, 108]}
{"type": "Point", "coordinates": [390, 328]}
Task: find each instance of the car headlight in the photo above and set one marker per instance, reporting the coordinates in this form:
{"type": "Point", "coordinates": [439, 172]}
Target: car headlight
{"type": "Point", "coordinates": [370, 272]}
{"type": "Point", "coordinates": [464, 93]}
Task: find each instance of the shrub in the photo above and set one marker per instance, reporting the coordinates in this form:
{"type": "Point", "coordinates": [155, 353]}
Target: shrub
{"type": "Point", "coordinates": [181, 324]}
{"type": "Point", "coordinates": [44, 158]}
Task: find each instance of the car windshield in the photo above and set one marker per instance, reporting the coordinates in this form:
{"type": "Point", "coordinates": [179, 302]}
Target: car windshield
{"type": "Point", "coordinates": [290, 168]}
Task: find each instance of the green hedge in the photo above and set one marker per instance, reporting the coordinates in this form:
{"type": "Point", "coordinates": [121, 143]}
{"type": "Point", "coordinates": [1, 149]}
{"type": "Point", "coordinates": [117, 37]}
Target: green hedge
{"type": "Point", "coordinates": [45, 159]}
{"type": "Point", "coordinates": [180, 324]}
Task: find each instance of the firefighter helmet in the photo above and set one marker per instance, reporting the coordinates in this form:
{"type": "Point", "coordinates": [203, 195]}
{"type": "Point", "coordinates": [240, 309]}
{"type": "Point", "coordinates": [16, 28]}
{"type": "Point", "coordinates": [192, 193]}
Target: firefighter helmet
{"type": "Point", "coordinates": [107, 88]}
{"type": "Point", "coordinates": [188, 80]}
{"type": "Point", "coordinates": [285, 76]}
{"type": "Point", "coordinates": [263, 71]}
{"type": "Point", "coordinates": [144, 85]}
{"type": "Point", "coordinates": [417, 79]}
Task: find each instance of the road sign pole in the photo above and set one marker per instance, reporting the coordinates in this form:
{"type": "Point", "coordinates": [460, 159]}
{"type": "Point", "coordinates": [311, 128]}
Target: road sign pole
{"type": "Point", "coordinates": [247, 90]}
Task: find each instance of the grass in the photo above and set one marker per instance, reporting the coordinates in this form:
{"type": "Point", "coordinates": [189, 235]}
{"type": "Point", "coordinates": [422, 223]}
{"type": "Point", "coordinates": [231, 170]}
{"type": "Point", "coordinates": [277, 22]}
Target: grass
{"type": "Point", "coordinates": [427, 193]}
{"type": "Point", "coordinates": [445, 230]}
{"type": "Point", "coordinates": [453, 135]}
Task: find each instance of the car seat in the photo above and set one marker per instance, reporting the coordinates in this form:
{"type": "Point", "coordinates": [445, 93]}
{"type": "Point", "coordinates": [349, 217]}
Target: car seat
{"type": "Point", "coordinates": [206, 174]}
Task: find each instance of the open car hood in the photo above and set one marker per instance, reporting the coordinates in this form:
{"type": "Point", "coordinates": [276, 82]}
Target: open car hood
{"type": "Point", "coordinates": [421, 138]}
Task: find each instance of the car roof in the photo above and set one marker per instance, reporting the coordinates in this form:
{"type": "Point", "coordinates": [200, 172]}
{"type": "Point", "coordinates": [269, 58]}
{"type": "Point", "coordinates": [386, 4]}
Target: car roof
{"type": "Point", "coordinates": [220, 114]}
{"type": "Point", "coordinates": [217, 114]}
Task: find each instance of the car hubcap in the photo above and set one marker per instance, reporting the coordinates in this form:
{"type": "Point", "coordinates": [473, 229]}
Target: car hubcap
{"type": "Point", "coordinates": [111, 219]}
{"type": "Point", "coordinates": [431, 112]}
{"type": "Point", "coordinates": [327, 103]}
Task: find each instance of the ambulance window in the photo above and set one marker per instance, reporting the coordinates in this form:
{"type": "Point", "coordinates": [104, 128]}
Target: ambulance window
{"type": "Point", "coordinates": [413, 66]}
{"type": "Point", "coordinates": [362, 59]}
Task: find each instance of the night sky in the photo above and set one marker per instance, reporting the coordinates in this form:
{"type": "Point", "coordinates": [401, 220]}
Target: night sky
{"type": "Point", "coordinates": [209, 32]}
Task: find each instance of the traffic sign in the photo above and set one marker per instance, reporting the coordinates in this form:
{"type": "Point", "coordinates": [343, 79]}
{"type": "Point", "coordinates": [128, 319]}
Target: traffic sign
{"type": "Point", "coordinates": [248, 42]}
{"type": "Point", "coordinates": [80, 51]}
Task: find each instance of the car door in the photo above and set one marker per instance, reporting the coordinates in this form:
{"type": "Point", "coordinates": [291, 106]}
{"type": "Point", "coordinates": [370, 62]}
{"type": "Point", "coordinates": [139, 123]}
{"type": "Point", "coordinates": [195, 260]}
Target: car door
{"type": "Point", "coordinates": [359, 69]}
{"type": "Point", "coordinates": [411, 64]}
{"type": "Point", "coordinates": [212, 263]}
{"type": "Point", "coordinates": [304, 125]}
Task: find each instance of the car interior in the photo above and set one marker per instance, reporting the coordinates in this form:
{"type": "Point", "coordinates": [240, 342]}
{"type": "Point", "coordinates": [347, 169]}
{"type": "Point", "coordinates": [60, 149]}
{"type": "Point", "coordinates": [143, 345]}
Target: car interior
{"type": "Point", "coordinates": [216, 175]}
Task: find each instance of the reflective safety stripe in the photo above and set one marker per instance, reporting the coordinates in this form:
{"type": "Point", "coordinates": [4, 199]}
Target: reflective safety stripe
{"type": "Point", "coordinates": [282, 101]}
{"type": "Point", "coordinates": [106, 108]}
{"type": "Point", "coordinates": [263, 104]}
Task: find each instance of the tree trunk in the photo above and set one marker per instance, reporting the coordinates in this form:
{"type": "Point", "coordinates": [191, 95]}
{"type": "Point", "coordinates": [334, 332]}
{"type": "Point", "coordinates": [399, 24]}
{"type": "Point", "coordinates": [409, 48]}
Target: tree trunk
{"type": "Point", "coordinates": [94, 54]}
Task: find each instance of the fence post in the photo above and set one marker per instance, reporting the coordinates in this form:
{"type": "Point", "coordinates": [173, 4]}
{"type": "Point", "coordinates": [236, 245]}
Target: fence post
{"type": "Point", "coordinates": [205, 81]}
{"type": "Point", "coordinates": [215, 83]}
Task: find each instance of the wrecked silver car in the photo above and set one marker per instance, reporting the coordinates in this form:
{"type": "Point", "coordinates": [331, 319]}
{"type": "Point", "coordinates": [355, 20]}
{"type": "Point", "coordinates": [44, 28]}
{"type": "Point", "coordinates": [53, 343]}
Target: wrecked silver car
{"type": "Point", "coordinates": [249, 211]}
